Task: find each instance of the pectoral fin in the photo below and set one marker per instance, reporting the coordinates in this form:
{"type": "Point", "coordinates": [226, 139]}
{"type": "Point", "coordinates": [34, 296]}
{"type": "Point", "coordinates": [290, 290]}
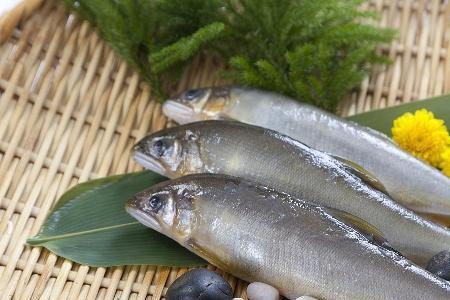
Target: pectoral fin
{"type": "Point", "coordinates": [368, 230]}
{"type": "Point", "coordinates": [440, 219]}
{"type": "Point", "coordinates": [362, 173]}
{"type": "Point", "coordinates": [209, 257]}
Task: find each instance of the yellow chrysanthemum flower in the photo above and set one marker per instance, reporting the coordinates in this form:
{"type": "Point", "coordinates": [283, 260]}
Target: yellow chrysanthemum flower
{"type": "Point", "coordinates": [445, 163]}
{"type": "Point", "coordinates": [422, 135]}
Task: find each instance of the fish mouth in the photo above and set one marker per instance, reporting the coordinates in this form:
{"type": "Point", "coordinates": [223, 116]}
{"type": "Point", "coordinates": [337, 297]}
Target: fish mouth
{"type": "Point", "coordinates": [143, 218]}
{"type": "Point", "coordinates": [149, 163]}
{"type": "Point", "coordinates": [179, 112]}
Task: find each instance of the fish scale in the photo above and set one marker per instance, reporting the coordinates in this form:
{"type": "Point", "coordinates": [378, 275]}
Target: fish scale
{"type": "Point", "coordinates": [306, 252]}
{"type": "Point", "coordinates": [407, 179]}
{"type": "Point", "coordinates": [292, 167]}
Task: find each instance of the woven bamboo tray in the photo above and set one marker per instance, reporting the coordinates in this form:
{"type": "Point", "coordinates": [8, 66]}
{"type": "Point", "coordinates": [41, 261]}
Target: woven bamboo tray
{"type": "Point", "coordinates": [70, 110]}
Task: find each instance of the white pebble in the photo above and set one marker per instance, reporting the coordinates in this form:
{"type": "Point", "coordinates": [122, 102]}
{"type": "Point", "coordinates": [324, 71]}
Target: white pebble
{"type": "Point", "coordinates": [262, 291]}
{"type": "Point", "coordinates": [305, 298]}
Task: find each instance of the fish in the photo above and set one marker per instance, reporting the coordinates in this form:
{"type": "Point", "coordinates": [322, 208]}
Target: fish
{"type": "Point", "coordinates": [258, 234]}
{"type": "Point", "coordinates": [287, 165]}
{"type": "Point", "coordinates": [407, 179]}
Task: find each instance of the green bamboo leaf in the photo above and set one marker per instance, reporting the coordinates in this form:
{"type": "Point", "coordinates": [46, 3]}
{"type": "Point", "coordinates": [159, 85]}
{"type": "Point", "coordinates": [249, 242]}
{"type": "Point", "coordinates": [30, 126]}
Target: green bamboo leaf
{"type": "Point", "coordinates": [89, 225]}
{"type": "Point", "coordinates": [382, 119]}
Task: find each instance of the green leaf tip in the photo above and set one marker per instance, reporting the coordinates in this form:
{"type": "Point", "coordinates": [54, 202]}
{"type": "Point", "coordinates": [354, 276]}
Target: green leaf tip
{"type": "Point", "coordinates": [41, 240]}
{"type": "Point", "coordinates": [89, 225]}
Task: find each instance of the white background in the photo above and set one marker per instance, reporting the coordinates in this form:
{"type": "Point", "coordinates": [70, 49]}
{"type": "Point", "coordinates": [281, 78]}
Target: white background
{"type": "Point", "coordinates": [6, 5]}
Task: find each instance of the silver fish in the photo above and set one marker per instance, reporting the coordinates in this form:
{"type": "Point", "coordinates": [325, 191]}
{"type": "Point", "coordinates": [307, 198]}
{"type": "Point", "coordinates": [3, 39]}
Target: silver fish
{"type": "Point", "coordinates": [276, 160]}
{"type": "Point", "coordinates": [258, 234]}
{"type": "Point", "coordinates": [407, 179]}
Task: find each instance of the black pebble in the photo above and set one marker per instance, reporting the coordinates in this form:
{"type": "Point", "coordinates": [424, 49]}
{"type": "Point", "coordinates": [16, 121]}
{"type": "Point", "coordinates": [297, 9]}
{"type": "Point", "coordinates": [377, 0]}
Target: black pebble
{"type": "Point", "coordinates": [200, 284]}
{"type": "Point", "coordinates": [440, 265]}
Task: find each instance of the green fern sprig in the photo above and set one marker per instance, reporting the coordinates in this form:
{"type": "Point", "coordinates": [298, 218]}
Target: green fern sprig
{"type": "Point", "coordinates": [183, 49]}
{"type": "Point", "coordinates": [314, 51]}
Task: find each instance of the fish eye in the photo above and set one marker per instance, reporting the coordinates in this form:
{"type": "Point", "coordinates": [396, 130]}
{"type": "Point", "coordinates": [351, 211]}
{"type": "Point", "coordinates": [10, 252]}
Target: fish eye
{"type": "Point", "coordinates": [192, 94]}
{"type": "Point", "coordinates": [159, 148]}
{"type": "Point", "coordinates": [155, 203]}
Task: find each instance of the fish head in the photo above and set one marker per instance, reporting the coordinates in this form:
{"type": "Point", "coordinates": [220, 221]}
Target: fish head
{"type": "Point", "coordinates": [168, 208]}
{"type": "Point", "coordinates": [172, 152]}
{"type": "Point", "coordinates": [198, 105]}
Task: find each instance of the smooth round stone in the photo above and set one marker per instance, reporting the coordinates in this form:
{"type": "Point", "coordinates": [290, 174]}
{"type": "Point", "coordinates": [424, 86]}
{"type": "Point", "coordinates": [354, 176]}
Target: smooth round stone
{"type": "Point", "coordinates": [200, 284]}
{"type": "Point", "coordinates": [305, 298]}
{"type": "Point", "coordinates": [440, 265]}
{"type": "Point", "coordinates": [262, 291]}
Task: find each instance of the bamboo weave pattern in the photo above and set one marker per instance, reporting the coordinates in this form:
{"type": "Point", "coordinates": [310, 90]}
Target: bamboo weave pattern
{"type": "Point", "coordinates": [70, 110]}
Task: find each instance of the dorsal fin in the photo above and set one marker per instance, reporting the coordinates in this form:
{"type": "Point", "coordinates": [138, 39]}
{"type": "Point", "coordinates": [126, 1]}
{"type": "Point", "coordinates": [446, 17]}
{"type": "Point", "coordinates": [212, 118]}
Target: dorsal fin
{"type": "Point", "coordinates": [362, 173]}
{"type": "Point", "coordinates": [368, 230]}
{"type": "Point", "coordinates": [380, 135]}
{"type": "Point", "coordinates": [376, 133]}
